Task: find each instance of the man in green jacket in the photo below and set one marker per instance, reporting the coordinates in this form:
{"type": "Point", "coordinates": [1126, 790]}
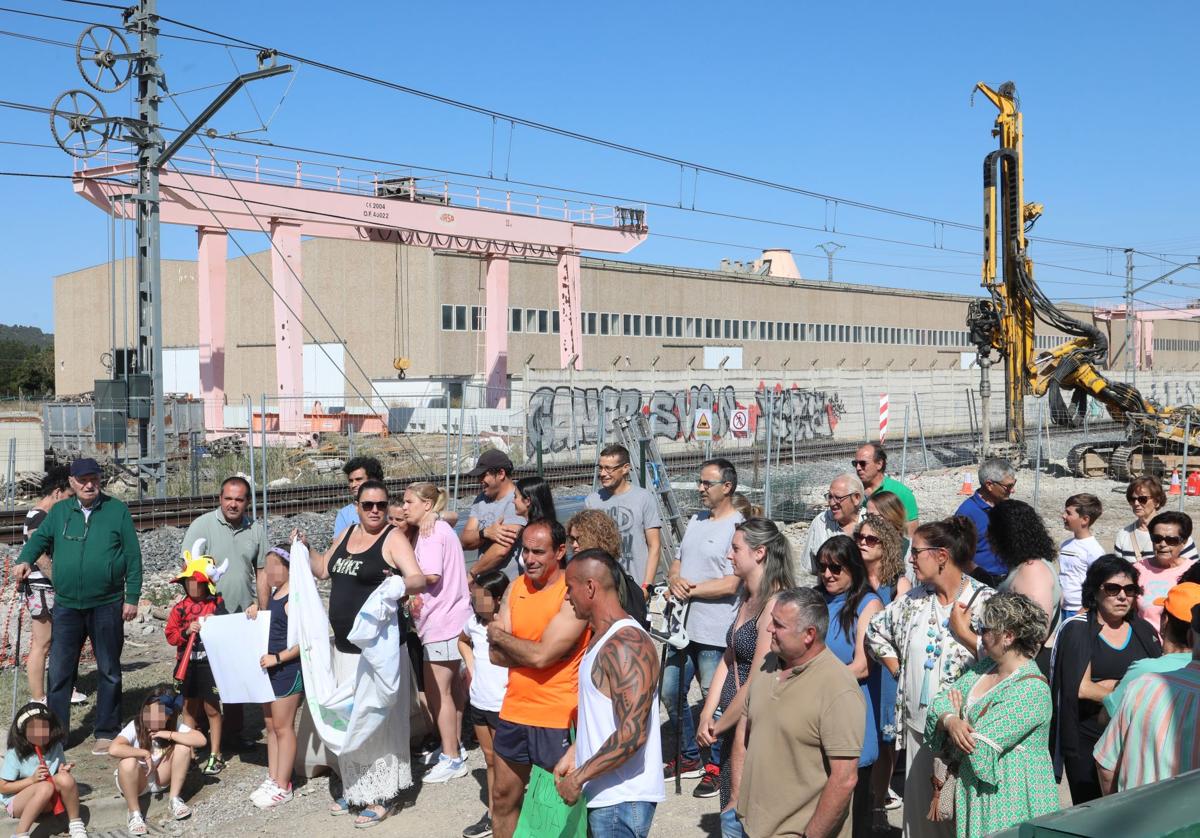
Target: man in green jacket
{"type": "Point", "coordinates": [97, 581]}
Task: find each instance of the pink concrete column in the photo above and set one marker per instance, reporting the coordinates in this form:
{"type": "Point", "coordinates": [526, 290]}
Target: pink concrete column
{"type": "Point", "coordinates": [570, 326]}
{"type": "Point", "coordinates": [212, 244]}
{"type": "Point", "coordinates": [286, 274]}
{"type": "Point", "coordinates": [495, 348]}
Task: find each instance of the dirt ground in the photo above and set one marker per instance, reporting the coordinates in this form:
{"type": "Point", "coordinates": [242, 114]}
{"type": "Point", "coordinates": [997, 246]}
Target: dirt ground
{"type": "Point", "coordinates": [221, 803]}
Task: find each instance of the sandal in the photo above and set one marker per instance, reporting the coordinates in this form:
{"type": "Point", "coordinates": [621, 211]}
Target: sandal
{"type": "Point", "coordinates": [373, 818]}
{"type": "Point", "coordinates": [179, 809]}
{"type": "Point", "coordinates": [339, 807]}
{"type": "Point", "coordinates": [137, 824]}
{"type": "Point", "coordinates": [214, 765]}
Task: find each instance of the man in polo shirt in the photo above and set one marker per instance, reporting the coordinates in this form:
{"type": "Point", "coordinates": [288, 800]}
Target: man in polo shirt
{"type": "Point", "coordinates": [358, 470]}
{"type": "Point", "coordinates": [870, 464]}
{"type": "Point", "coordinates": [97, 581]}
{"type": "Point", "coordinates": [1154, 734]}
{"type": "Point", "coordinates": [997, 480]}
{"type": "Point", "coordinates": [635, 512]}
{"type": "Point", "coordinates": [805, 718]}
{"type": "Point", "coordinates": [230, 535]}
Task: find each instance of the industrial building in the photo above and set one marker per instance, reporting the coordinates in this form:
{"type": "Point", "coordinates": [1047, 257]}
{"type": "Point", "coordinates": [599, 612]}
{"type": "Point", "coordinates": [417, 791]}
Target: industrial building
{"type": "Point", "coordinates": [366, 304]}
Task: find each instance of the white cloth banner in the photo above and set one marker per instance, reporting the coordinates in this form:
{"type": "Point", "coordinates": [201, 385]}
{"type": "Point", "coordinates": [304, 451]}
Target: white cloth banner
{"type": "Point", "coordinates": [235, 645]}
{"type": "Point", "coordinates": [346, 714]}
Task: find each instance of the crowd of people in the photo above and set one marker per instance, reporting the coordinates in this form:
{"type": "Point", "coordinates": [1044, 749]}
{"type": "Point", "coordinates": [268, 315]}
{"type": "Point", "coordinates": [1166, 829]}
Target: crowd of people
{"type": "Point", "coordinates": [999, 660]}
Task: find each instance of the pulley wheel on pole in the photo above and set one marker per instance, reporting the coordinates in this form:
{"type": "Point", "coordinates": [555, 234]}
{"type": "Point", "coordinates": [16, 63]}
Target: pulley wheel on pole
{"type": "Point", "coordinates": [103, 58]}
{"type": "Point", "coordinates": [79, 124]}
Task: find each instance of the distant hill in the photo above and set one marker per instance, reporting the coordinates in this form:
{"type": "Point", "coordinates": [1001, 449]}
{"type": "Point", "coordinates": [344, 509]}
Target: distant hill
{"type": "Point", "coordinates": [26, 336]}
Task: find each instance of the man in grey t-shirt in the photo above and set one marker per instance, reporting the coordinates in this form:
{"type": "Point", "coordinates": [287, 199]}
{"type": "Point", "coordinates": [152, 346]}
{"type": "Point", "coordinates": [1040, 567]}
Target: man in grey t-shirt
{"type": "Point", "coordinates": [702, 577]}
{"type": "Point", "coordinates": [635, 512]}
{"type": "Point", "coordinates": [492, 508]}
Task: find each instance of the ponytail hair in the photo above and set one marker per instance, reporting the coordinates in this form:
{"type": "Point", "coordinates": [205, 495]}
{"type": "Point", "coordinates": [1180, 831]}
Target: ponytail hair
{"type": "Point", "coordinates": [956, 535]}
{"type": "Point", "coordinates": [431, 493]}
{"type": "Point", "coordinates": [777, 561]}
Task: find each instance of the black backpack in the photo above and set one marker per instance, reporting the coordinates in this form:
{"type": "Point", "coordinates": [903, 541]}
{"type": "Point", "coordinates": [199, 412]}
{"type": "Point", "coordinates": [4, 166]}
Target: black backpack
{"type": "Point", "coordinates": [633, 601]}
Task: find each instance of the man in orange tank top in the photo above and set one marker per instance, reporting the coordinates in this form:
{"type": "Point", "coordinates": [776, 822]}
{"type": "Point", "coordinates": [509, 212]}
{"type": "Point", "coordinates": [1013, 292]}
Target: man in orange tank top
{"type": "Point", "coordinates": [540, 639]}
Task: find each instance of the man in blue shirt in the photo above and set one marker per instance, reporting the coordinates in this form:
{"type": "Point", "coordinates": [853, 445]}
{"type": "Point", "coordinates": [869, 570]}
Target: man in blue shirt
{"type": "Point", "coordinates": [358, 471]}
{"type": "Point", "coordinates": [997, 480]}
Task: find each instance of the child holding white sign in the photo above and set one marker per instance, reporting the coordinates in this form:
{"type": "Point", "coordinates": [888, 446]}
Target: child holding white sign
{"type": "Point", "coordinates": [282, 663]}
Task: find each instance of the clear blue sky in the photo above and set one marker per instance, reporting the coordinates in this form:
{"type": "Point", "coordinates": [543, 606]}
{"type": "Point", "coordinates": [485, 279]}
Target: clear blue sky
{"type": "Point", "coordinates": [861, 100]}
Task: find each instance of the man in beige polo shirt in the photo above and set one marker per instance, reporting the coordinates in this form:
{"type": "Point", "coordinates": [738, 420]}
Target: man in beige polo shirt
{"type": "Point", "coordinates": [806, 718]}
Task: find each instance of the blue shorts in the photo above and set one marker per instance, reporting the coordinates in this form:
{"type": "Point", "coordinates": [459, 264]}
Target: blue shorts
{"type": "Point", "coordinates": [530, 745]}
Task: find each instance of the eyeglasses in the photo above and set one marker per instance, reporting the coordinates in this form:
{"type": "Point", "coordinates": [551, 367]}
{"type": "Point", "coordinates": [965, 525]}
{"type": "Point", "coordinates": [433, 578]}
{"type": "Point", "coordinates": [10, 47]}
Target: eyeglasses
{"type": "Point", "coordinates": [611, 469]}
{"type": "Point", "coordinates": [1112, 589]}
{"type": "Point", "coordinates": [86, 523]}
{"type": "Point", "coordinates": [1007, 487]}
{"type": "Point", "coordinates": [834, 568]}
{"type": "Point", "coordinates": [377, 505]}
{"type": "Point", "coordinates": [860, 463]}
{"type": "Point", "coordinates": [708, 484]}
{"type": "Point", "coordinates": [1139, 499]}
{"type": "Point", "coordinates": [867, 539]}
{"type": "Point", "coordinates": [1169, 540]}
{"type": "Point", "coordinates": [919, 550]}
{"type": "Point", "coordinates": [830, 497]}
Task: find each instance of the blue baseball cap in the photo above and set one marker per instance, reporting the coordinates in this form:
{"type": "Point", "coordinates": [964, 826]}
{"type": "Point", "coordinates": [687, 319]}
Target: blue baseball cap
{"type": "Point", "coordinates": [84, 466]}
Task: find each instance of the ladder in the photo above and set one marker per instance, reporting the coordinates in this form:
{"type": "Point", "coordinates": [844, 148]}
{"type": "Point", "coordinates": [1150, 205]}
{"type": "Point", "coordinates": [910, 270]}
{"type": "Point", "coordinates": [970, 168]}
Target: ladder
{"type": "Point", "coordinates": [635, 435]}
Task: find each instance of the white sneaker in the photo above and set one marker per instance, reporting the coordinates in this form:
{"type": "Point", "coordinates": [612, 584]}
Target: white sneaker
{"type": "Point", "coordinates": [76, 829]}
{"type": "Point", "coordinates": [446, 770]}
{"type": "Point", "coordinates": [277, 797]}
{"type": "Point", "coordinates": [77, 697]}
{"type": "Point", "coordinates": [264, 790]}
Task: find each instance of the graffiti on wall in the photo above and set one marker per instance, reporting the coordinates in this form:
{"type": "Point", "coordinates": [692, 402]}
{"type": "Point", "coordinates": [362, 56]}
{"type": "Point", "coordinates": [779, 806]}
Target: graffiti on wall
{"type": "Point", "coordinates": [564, 418]}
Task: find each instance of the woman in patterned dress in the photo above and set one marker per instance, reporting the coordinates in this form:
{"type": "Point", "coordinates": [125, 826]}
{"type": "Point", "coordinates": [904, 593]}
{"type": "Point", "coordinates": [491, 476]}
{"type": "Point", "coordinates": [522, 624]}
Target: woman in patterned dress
{"type": "Point", "coordinates": [996, 719]}
{"type": "Point", "coordinates": [911, 637]}
{"type": "Point", "coordinates": [762, 561]}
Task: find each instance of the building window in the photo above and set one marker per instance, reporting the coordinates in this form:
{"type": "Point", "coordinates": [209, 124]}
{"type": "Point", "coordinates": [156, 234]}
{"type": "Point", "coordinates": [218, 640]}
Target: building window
{"type": "Point", "coordinates": [554, 321]}
{"type": "Point", "coordinates": [670, 327]}
{"type": "Point", "coordinates": [591, 322]}
{"type": "Point", "coordinates": [658, 325]}
{"type": "Point", "coordinates": [447, 318]}
{"type": "Point", "coordinates": [460, 318]}
{"type": "Point", "coordinates": [637, 325]}
{"type": "Point", "coordinates": [603, 323]}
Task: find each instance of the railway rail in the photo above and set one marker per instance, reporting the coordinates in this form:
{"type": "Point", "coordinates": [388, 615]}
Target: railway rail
{"type": "Point", "coordinates": [287, 500]}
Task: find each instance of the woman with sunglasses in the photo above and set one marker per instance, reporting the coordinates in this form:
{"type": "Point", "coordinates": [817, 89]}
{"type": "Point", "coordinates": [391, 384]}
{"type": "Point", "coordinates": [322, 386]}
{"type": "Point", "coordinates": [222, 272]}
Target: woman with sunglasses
{"type": "Point", "coordinates": [1170, 534]}
{"type": "Point", "coordinates": [1146, 498]}
{"type": "Point", "coordinates": [842, 577]}
{"type": "Point", "coordinates": [912, 638]}
{"type": "Point", "coordinates": [1091, 653]}
{"type": "Point", "coordinates": [363, 556]}
{"type": "Point", "coordinates": [892, 509]}
{"type": "Point", "coordinates": [880, 542]}
{"type": "Point", "coordinates": [762, 562]}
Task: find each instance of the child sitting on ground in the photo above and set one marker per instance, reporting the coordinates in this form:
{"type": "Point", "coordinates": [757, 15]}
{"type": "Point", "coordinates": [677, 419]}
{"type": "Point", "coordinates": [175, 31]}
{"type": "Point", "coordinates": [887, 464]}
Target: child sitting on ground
{"type": "Point", "coordinates": [154, 750]}
{"type": "Point", "coordinates": [1078, 552]}
{"type": "Point", "coordinates": [193, 674]}
{"type": "Point", "coordinates": [487, 681]}
{"type": "Point", "coordinates": [36, 778]}
{"type": "Point", "coordinates": [282, 662]}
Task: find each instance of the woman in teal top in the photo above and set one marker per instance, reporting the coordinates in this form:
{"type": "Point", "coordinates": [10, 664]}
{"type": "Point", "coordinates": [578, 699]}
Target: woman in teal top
{"type": "Point", "coordinates": [995, 721]}
{"type": "Point", "coordinates": [842, 577]}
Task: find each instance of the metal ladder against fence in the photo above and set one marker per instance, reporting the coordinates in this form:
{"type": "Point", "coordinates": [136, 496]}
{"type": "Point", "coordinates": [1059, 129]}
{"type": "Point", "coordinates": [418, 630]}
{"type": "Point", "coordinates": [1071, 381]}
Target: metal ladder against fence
{"type": "Point", "coordinates": [635, 435]}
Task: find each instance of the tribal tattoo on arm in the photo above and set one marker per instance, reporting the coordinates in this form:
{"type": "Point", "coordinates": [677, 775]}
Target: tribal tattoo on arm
{"type": "Point", "coordinates": [627, 671]}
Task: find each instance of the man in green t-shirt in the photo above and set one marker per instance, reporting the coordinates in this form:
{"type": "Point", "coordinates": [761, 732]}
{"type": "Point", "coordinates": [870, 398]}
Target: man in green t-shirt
{"type": "Point", "coordinates": [870, 464]}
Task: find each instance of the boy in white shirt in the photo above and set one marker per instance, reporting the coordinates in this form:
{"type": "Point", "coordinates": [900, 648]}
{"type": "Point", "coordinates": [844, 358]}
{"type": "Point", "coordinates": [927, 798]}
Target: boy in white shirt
{"type": "Point", "coordinates": [1078, 552]}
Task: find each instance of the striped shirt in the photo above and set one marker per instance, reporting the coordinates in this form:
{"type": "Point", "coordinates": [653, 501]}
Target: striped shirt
{"type": "Point", "coordinates": [1154, 734]}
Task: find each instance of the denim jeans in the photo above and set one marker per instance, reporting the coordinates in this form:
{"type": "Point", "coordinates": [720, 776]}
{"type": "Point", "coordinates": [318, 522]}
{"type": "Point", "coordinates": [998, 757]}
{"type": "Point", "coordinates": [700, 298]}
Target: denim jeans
{"type": "Point", "coordinates": [107, 632]}
{"type": "Point", "coordinates": [695, 658]}
{"type": "Point", "coordinates": [622, 820]}
{"type": "Point", "coordinates": [731, 827]}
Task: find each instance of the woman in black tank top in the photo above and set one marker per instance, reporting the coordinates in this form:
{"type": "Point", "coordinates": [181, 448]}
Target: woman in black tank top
{"type": "Point", "coordinates": [355, 576]}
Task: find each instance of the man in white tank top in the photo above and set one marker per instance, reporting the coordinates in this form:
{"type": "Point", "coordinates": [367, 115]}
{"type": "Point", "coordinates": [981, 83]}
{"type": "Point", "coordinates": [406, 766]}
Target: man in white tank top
{"type": "Point", "coordinates": [616, 760]}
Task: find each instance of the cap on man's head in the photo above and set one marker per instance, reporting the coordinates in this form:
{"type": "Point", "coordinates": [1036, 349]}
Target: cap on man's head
{"type": "Point", "coordinates": [491, 460]}
{"type": "Point", "coordinates": [84, 466]}
{"type": "Point", "coordinates": [1180, 601]}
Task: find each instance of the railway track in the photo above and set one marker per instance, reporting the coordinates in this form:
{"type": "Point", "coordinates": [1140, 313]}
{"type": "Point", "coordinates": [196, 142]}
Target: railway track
{"type": "Point", "coordinates": [287, 500]}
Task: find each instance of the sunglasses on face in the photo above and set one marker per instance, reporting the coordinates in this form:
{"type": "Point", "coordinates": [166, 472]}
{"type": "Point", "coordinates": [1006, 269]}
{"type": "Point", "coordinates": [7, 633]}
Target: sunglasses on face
{"type": "Point", "coordinates": [1169, 540]}
{"type": "Point", "coordinates": [867, 539]}
{"type": "Point", "coordinates": [1112, 589]}
{"type": "Point", "coordinates": [833, 568]}
{"type": "Point", "coordinates": [377, 505]}
{"type": "Point", "coordinates": [1007, 487]}
{"type": "Point", "coordinates": [860, 463]}
{"type": "Point", "coordinates": [1139, 499]}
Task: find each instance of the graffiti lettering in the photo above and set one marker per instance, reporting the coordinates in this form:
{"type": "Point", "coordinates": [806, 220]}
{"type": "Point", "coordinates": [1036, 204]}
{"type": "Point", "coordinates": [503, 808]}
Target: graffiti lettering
{"type": "Point", "coordinates": [562, 418]}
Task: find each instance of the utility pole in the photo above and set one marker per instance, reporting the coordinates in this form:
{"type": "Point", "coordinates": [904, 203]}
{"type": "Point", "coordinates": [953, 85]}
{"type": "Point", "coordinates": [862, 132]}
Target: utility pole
{"type": "Point", "coordinates": [830, 248]}
{"type": "Point", "coordinates": [1130, 365]}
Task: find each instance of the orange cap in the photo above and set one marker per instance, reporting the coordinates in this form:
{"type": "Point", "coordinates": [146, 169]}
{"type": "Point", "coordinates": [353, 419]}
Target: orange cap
{"type": "Point", "coordinates": [1180, 601]}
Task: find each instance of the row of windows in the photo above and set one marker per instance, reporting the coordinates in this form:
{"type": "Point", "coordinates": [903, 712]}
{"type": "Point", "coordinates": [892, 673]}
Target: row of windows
{"type": "Point", "coordinates": [460, 318]}
{"type": "Point", "coordinates": [1176, 345]}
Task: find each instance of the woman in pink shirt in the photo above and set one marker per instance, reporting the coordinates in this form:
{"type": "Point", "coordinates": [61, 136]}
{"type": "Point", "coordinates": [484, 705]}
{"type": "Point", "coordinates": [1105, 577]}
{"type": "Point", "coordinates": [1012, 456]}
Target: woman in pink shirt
{"type": "Point", "coordinates": [440, 612]}
{"type": "Point", "coordinates": [1170, 534]}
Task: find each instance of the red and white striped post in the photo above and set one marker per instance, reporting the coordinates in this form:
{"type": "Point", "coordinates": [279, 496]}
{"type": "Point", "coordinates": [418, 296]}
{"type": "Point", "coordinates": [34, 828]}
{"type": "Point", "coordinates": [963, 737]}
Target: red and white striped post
{"type": "Point", "coordinates": [883, 417]}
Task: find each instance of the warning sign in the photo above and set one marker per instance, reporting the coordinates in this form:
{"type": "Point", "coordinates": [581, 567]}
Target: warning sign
{"type": "Point", "coordinates": [702, 429]}
{"type": "Point", "coordinates": [739, 421]}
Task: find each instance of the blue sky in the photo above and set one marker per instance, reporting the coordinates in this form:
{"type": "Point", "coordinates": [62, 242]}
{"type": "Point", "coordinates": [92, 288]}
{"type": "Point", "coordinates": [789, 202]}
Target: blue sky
{"type": "Point", "coordinates": [869, 102]}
